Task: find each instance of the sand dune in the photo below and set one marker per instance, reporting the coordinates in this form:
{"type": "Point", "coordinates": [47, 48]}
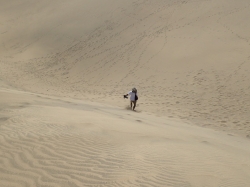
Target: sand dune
{"type": "Point", "coordinates": [189, 59]}
{"type": "Point", "coordinates": [49, 141]}
{"type": "Point", "coordinates": [66, 64]}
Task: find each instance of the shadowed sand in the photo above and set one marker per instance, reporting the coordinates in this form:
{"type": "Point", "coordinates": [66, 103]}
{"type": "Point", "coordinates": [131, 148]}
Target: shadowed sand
{"type": "Point", "coordinates": [65, 65]}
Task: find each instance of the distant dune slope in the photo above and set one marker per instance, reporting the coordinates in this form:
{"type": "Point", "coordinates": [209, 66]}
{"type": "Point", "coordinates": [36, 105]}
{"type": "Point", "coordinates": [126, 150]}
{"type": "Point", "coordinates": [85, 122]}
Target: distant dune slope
{"type": "Point", "coordinates": [189, 59]}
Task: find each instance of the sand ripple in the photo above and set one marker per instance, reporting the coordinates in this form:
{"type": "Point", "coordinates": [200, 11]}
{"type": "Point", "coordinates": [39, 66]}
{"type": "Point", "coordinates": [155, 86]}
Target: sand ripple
{"type": "Point", "coordinates": [77, 145]}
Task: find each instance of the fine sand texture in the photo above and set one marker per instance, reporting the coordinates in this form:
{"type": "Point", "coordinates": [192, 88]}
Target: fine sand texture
{"type": "Point", "coordinates": [189, 59]}
{"type": "Point", "coordinates": [65, 66]}
{"type": "Point", "coordinates": [53, 141]}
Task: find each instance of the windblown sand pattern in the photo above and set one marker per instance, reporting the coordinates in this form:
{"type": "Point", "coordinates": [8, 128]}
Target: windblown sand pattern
{"type": "Point", "coordinates": [189, 59]}
{"type": "Point", "coordinates": [64, 66]}
{"type": "Point", "coordinates": [56, 142]}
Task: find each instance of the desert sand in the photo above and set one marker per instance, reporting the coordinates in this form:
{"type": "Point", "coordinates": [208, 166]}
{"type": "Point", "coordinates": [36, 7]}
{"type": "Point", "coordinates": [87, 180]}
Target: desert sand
{"type": "Point", "coordinates": [65, 65]}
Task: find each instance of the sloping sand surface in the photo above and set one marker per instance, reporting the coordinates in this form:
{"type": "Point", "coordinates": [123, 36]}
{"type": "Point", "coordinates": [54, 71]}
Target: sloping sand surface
{"type": "Point", "coordinates": [188, 59]}
{"type": "Point", "coordinates": [49, 141]}
{"type": "Point", "coordinates": [65, 65]}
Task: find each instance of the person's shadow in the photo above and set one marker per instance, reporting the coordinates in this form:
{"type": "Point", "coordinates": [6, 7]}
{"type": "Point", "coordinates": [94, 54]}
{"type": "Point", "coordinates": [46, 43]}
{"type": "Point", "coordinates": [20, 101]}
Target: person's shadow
{"type": "Point", "coordinates": [129, 108]}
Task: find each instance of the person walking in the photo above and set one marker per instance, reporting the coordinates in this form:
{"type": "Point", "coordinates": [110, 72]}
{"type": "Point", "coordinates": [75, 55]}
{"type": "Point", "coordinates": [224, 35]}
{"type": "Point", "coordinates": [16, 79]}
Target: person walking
{"type": "Point", "coordinates": [133, 97]}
